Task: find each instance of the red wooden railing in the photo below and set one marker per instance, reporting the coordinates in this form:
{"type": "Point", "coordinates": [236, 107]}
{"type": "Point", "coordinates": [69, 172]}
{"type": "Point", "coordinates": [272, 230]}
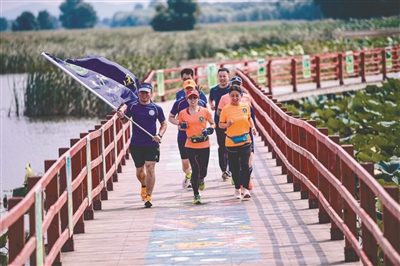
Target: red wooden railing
{"type": "Point", "coordinates": [74, 186]}
{"type": "Point", "coordinates": [325, 173]}
{"type": "Point", "coordinates": [289, 70]}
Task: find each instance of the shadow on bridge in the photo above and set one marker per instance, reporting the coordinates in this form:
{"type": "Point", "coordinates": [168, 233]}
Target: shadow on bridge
{"type": "Point", "coordinates": [274, 227]}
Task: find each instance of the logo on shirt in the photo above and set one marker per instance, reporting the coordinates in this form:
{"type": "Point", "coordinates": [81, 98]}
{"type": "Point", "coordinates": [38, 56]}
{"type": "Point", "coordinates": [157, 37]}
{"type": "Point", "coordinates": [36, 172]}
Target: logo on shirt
{"type": "Point", "coordinates": [201, 119]}
{"type": "Point", "coordinates": [244, 110]}
{"type": "Point", "coordinates": [152, 112]}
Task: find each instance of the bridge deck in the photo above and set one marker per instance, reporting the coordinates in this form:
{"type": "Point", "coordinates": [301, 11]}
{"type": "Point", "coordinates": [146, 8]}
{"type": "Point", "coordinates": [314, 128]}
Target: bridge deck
{"type": "Point", "coordinates": [275, 227]}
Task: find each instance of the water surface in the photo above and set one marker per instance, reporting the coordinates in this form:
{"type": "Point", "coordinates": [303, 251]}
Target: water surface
{"type": "Point", "coordinates": [30, 140]}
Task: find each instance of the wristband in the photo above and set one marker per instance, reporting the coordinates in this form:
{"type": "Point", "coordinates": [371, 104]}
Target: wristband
{"type": "Point", "coordinates": [160, 135]}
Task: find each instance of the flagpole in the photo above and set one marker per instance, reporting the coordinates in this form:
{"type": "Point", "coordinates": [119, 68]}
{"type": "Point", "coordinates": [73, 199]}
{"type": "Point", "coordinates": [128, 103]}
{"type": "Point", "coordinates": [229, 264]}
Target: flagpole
{"type": "Point", "coordinates": [87, 87]}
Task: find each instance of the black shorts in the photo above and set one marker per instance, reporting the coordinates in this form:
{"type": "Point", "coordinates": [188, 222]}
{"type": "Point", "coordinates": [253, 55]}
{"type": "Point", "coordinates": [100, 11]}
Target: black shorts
{"type": "Point", "coordinates": [141, 154]}
{"type": "Point", "coordinates": [182, 149]}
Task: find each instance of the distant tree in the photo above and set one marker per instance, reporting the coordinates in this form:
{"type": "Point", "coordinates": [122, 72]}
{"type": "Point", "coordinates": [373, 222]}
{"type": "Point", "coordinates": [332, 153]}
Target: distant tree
{"type": "Point", "coordinates": [345, 9]}
{"type": "Point", "coordinates": [77, 15]}
{"type": "Point", "coordinates": [179, 15]}
{"type": "Point", "coordinates": [45, 20]}
{"type": "Point", "coordinates": [138, 6]}
{"type": "Point", "coordinates": [26, 21]}
{"type": "Point", "coordinates": [131, 19]}
{"type": "Point", "coordinates": [153, 3]}
{"type": "Point", "coordinates": [3, 24]}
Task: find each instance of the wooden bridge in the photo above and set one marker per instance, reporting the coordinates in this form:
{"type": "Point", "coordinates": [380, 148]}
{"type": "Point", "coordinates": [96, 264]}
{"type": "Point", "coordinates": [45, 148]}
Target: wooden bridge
{"type": "Point", "coordinates": [304, 208]}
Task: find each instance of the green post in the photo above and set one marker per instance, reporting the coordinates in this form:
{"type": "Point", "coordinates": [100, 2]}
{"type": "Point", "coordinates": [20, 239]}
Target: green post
{"type": "Point", "coordinates": [212, 75]}
{"type": "Point", "coordinates": [388, 57]}
{"type": "Point", "coordinates": [160, 82]}
{"type": "Point", "coordinates": [261, 72]}
{"type": "Point", "coordinates": [306, 67]}
{"type": "Point", "coordinates": [39, 224]}
{"type": "Point", "coordinates": [349, 62]}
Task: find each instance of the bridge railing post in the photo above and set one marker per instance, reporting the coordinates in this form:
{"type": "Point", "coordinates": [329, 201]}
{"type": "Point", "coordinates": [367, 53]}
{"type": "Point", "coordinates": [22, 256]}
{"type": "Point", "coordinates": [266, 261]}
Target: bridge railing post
{"type": "Point", "coordinates": [77, 195]}
{"type": "Point", "coordinates": [367, 202]}
{"type": "Point", "coordinates": [88, 214]}
{"type": "Point", "coordinates": [16, 232]}
{"type": "Point", "coordinates": [384, 73]}
{"type": "Point", "coordinates": [340, 69]}
{"type": "Point", "coordinates": [52, 190]}
{"type": "Point", "coordinates": [273, 133]}
{"type": "Point", "coordinates": [312, 171]}
{"type": "Point", "coordinates": [108, 161]}
{"type": "Point", "coordinates": [282, 126]}
{"type": "Point", "coordinates": [279, 141]}
{"type": "Point", "coordinates": [335, 200]}
{"type": "Point", "coordinates": [363, 68]}
{"type": "Point", "coordinates": [96, 180]}
{"type": "Point", "coordinates": [32, 181]}
{"type": "Point", "coordinates": [269, 76]}
{"type": "Point", "coordinates": [69, 244]}
{"type": "Point", "coordinates": [304, 191]}
{"type": "Point", "coordinates": [323, 184]}
{"type": "Point", "coordinates": [391, 229]}
{"type": "Point", "coordinates": [294, 74]}
{"type": "Point", "coordinates": [295, 156]}
{"type": "Point", "coordinates": [318, 71]}
{"type": "Point", "coordinates": [113, 155]}
{"type": "Point", "coordinates": [349, 216]}
{"type": "Point", "coordinates": [288, 150]}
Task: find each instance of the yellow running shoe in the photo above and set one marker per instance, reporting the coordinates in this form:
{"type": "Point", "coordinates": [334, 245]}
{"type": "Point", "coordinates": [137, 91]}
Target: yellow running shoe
{"type": "Point", "coordinates": [202, 184]}
{"type": "Point", "coordinates": [143, 193]}
{"type": "Point", "coordinates": [147, 202]}
{"type": "Point", "coordinates": [197, 199]}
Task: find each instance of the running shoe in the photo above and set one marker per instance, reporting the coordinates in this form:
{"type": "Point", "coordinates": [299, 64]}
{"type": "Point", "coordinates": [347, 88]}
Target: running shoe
{"type": "Point", "coordinates": [237, 194]}
{"type": "Point", "coordinates": [226, 175]}
{"type": "Point", "coordinates": [202, 184]}
{"type": "Point", "coordinates": [197, 199]}
{"type": "Point", "coordinates": [246, 194]}
{"type": "Point", "coordinates": [143, 193]}
{"type": "Point", "coordinates": [147, 203]}
{"type": "Point", "coordinates": [186, 181]}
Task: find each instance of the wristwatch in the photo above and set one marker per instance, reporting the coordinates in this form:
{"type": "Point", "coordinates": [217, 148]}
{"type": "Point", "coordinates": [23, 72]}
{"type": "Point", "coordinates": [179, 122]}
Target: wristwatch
{"type": "Point", "coordinates": [160, 135]}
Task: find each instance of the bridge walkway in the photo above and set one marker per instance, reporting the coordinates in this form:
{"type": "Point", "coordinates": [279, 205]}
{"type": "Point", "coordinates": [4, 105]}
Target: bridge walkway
{"type": "Point", "coordinates": [274, 227]}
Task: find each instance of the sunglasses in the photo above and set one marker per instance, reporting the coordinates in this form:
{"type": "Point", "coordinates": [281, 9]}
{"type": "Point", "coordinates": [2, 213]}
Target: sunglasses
{"type": "Point", "coordinates": [193, 97]}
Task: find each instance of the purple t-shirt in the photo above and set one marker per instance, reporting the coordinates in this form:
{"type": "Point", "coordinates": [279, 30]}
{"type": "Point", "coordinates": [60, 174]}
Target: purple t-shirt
{"type": "Point", "coordinates": [179, 106]}
{"type": "Point", "coordinates": [145, 116]}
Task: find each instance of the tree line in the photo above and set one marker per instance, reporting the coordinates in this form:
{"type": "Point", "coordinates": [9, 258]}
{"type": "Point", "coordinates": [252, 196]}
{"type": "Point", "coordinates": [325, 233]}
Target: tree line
{"type": "Point", "coordinates": [184, 14]}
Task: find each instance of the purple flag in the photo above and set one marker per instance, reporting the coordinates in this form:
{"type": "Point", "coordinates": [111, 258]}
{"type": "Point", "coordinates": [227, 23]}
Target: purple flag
{"type": "Point", "coordinates": [110, 91]}
{"type": "Point", "coordinates": [109, 69]}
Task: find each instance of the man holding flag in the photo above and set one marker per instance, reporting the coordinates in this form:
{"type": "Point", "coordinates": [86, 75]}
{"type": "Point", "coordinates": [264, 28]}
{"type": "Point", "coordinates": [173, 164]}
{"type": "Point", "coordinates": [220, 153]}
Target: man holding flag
{"type": "Point", "coordinates": [144, 147]}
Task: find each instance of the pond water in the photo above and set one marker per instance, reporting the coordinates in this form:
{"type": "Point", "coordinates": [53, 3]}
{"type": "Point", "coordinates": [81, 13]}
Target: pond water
{"type": "Point", "coordinates": [26, 140]}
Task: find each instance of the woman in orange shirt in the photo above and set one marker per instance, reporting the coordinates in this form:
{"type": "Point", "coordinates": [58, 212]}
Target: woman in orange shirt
{"type": "Point", "coordinates": [236, 118]}
{"type": "Point", "coordinates": [194, 120]}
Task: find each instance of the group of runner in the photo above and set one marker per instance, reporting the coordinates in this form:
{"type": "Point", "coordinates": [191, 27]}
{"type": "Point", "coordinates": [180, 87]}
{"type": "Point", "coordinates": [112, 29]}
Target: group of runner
{"type": "Point", "coordinates": [233, 123]}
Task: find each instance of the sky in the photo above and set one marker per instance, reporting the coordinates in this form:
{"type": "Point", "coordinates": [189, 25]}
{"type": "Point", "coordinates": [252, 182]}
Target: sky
{"type": "Point", "coordinates": [11, 4]}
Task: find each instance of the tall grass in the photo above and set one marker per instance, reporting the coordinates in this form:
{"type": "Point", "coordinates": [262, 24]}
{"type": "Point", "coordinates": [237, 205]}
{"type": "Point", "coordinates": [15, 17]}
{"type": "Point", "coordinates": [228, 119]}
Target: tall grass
{"type": "Point", "coordinates": [140, 49]}
{"type": "Point", "coordinates": [50, 91]}
{"type": "Point", "coordinates": [21, 50]}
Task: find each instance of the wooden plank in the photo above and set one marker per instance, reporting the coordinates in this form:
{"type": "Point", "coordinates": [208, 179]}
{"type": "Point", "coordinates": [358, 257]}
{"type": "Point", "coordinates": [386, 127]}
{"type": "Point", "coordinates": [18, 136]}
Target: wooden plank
{"type": "Point", "coordinates": [274, 227]}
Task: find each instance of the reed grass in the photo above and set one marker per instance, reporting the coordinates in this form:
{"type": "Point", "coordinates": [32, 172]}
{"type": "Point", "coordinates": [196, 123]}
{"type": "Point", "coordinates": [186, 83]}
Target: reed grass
{"type": "Point", "coordinates": [140, 49]}
{"type": "Point", "coordinates": [21, 50]}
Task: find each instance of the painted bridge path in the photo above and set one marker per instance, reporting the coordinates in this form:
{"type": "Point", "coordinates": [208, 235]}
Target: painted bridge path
{"type": "Point", "coordinates": [274, 227]}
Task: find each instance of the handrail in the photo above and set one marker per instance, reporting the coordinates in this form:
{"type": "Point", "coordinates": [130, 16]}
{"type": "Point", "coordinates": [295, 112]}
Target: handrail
{"type": "Point", "coordinates": [93, 161]}
{"type": "Point", "coordinates": [279, 129]}
{"type": "Point", "coordinates": [323, 171]}
{"type": "Point", "coordinates": [289, 70]}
